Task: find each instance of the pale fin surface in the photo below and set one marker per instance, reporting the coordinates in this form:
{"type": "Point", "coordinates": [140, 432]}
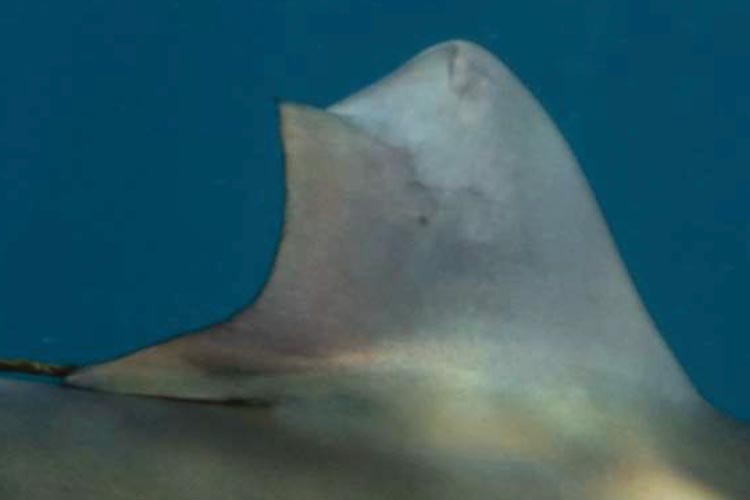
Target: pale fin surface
{"type": "Point", "coordinates": [436, 211]}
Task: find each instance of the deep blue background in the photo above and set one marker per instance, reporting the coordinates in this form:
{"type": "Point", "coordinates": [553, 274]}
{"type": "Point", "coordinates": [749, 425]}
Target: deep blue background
{"type": "Point", "coordinates": [140, 172]}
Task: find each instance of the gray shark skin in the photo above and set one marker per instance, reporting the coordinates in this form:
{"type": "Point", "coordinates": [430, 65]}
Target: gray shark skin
{"type": "Point", "coordinates": [447, 317]}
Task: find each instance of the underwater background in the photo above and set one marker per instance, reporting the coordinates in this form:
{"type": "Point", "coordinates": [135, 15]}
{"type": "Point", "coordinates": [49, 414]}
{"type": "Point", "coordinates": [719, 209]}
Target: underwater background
{"type": "Point", "coordinates": [140, 164]}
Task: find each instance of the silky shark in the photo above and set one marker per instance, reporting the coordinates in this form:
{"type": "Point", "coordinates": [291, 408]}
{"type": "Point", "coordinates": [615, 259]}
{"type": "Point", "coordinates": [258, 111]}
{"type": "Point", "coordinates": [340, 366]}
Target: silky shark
{"type": "Point", "coordinates": [447, 317]}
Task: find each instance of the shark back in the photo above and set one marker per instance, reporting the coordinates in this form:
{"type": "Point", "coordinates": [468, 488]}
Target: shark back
{"type": "Point", "coordinates": [447, 317]}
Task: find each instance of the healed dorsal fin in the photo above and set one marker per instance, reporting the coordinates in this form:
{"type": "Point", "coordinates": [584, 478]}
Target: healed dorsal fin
{"type": "Point", "coordinates": [436, 209]}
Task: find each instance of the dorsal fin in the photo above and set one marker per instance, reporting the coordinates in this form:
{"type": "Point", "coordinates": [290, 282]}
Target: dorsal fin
{"type": "Point", "coordinates": [439, 205]}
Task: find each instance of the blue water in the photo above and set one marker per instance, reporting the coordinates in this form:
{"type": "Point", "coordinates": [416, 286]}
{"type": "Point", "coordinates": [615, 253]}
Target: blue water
{"type": "Point", "coordinates": [140, 172]}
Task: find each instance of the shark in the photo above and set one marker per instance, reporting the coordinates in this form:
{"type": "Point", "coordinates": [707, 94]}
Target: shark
{"type": "Point", "coordinates": [447, 317]}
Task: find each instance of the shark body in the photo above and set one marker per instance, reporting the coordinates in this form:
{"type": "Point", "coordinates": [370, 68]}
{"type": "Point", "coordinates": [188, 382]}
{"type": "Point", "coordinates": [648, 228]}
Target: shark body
{"type": "Point", "coordinates": [447, 317]}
